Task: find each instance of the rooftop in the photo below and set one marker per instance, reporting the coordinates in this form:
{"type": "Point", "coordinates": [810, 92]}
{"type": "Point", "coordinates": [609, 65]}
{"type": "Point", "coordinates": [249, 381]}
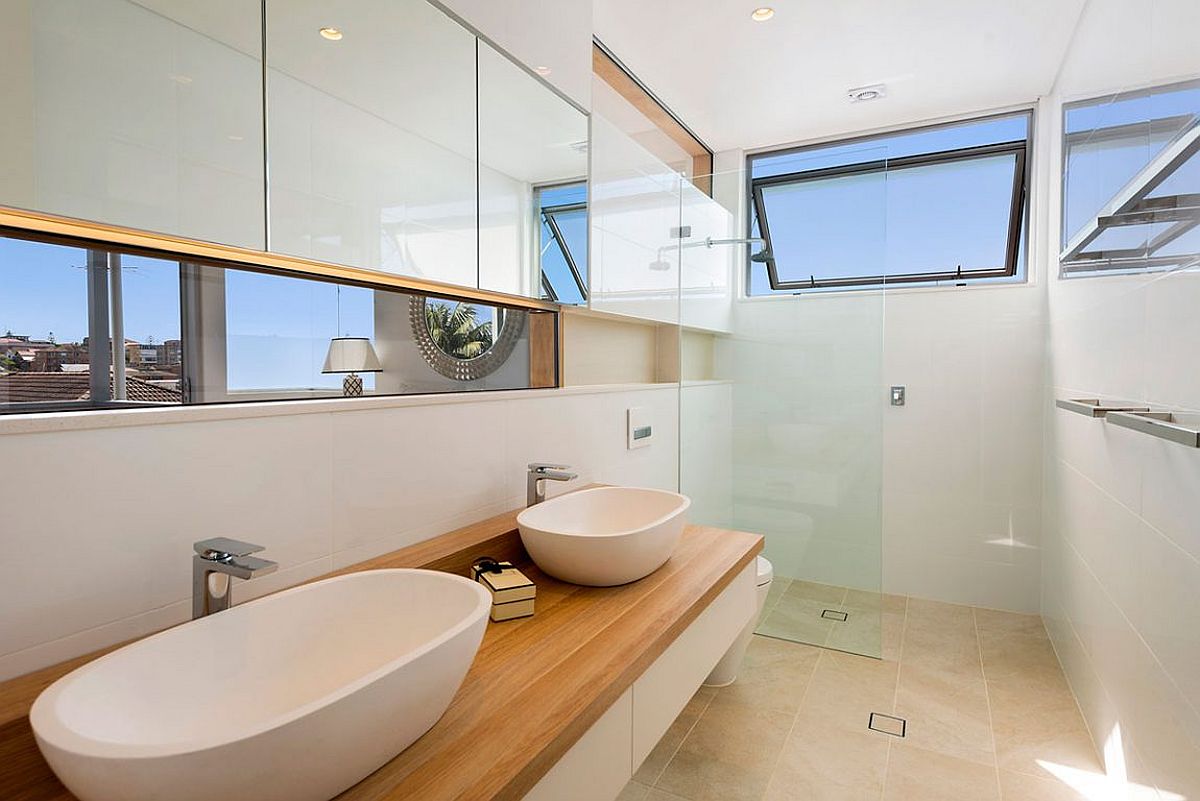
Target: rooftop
{"type": "Point", "coordinates": [30, 387]}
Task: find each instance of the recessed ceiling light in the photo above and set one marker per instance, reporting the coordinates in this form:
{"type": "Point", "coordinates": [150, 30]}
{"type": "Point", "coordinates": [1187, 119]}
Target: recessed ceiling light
{"type": "Point", "coordinates": [543, 71]}
{"type": "Point", "coordinates": [762, 14]}
{"type": "Point", "coordinates": [332, 34]}
{"type": "Point", "coordinates": [863, 93]}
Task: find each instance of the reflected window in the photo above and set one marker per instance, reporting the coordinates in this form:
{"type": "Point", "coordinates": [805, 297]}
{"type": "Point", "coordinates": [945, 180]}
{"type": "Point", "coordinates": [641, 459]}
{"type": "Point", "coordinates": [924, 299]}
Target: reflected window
{"type": "Point", "coordinates": [1131, 181]}
{"type": "Point", "coordinates": [938, 204]}
{"type": "Point", "coordinates": [562, 223]}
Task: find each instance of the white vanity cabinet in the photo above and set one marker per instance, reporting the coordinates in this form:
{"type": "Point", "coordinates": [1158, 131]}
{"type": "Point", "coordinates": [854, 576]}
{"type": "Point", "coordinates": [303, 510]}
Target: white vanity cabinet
{"type": "Point", "coordinates": [601, 762]}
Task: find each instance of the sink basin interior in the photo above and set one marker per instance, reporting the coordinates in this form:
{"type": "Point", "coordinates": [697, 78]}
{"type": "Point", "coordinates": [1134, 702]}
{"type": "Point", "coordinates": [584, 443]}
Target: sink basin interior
{"type": "Point", "coordinates": [604, 511]}
{"type": "Point", "coordinates": [262, 663]}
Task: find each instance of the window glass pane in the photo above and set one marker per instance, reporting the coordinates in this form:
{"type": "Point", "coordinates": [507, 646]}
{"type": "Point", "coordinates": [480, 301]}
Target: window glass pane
{"type": "Point", "coordinates": [828, 228]}
{"type": "Point", "coordinates": [278, 331]}
{"type": "Point", "coordinates": [967, 204]}
{"type": "Point", "coordinates": [565, 207]}
{"type": "Point", "coordinates": [149, 291]}
{"type": "Point", "coordinates": [1112, 146]}
{"type": "Point", "coordinates": [1097, 170]}
{"type": "Point", "coordinates": [43, 323]}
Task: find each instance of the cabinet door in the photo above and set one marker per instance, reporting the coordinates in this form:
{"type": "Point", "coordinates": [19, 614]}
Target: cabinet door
{"type": "Point", "coordinates": [372, 136]}
{"type": "Point", "coordinates": [597, 767]}
{"type": "Point", "coordinates": [529, 139]}
{"type": "Point", "coordinates": [147, 115]}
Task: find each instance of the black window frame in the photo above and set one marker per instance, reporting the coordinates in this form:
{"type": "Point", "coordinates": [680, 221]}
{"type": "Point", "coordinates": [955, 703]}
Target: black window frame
{"type": "Point", "coordinates": [1018, 207]}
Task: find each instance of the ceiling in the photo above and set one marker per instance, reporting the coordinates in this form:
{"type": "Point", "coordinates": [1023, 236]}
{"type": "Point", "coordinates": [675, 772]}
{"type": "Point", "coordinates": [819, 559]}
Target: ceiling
{"type": "Point", "coordinates": [744, 84]}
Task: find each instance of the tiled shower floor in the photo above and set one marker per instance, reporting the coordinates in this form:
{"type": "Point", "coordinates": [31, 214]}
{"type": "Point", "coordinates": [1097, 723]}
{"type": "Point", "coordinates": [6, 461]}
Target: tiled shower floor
{"type": "Point", "coordinates": [988, 716]}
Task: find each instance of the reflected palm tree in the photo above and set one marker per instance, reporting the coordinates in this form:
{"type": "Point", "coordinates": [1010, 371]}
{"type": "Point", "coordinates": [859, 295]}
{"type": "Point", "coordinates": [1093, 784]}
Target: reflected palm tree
{"type": "Point", "coordinates": [456, 329]}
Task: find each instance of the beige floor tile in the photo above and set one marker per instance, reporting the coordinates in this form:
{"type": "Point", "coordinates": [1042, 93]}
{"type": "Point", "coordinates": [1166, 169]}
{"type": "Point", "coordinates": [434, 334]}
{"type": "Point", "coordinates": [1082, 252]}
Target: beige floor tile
{"type": "Point", "coordinates": [778, 586]}
{"type": "Point", "coordinates": [1020, 660]}
{"type": "Point", "coordinates": [881, 602]}
{"type": "Point", "coordinates": [914, 774]}
{"type": "Point", "coordinates": [634, 791]}
{"type": "Point", "coordinates": [728, 755]}
{"type": "Point", "coordinates": [1036, 723]}
{"type": "Point", "coordinates": [774, 674]}
{"type": "Point", "coordinates": [952, 647]}
{"type": "Point", "coordinates": [819, 763]}
{"type": "Point", "coordinates": [946, 713]}
{"type": "Point", "coordinates": [797, 619]}
{"type": "Point", "coordinates": [656, 794]}
{"type": "Point", "coordinates": [993, 620]}
{"type": "Point", "coordinates": [943, 616]}
{"type": "Point", "coordinates": [649, 771]}
{"type": "Point", "coordinates": [860, 633]}
{"type": "Point", "coordinates": [845, 690]}
{"type": "Point", "coordinates": [1020, 787]}
{"type": "Point", "coordinates": [826, 593]}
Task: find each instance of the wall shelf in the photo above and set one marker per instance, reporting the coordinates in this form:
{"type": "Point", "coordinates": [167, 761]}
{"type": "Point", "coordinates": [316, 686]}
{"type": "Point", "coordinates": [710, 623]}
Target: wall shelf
{"type": "Point", "coordinates": [1174, 426]}
{"type": "Point", "coordinates": [1094, 407]}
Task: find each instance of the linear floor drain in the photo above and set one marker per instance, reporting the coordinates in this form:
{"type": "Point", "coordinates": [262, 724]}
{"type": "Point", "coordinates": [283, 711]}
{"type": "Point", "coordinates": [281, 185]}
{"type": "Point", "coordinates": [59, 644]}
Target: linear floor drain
{"type": "Point", "coordinates": [833, 614]}
{"type": "Point", "coordinates": [887, 724]}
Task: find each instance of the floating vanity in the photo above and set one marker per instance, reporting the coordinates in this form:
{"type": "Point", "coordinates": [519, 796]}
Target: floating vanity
{"type": "Point", "coordinates": [562, 705]}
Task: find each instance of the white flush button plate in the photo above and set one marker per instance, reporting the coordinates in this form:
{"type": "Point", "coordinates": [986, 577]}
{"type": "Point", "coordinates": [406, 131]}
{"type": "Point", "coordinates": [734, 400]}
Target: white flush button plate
{"type": "Point", "coordinates": [639, 430]}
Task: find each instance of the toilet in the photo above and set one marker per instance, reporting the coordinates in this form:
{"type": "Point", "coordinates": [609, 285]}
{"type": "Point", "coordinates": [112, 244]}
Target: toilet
{"type": "Point", "coordinates": [726, 670]}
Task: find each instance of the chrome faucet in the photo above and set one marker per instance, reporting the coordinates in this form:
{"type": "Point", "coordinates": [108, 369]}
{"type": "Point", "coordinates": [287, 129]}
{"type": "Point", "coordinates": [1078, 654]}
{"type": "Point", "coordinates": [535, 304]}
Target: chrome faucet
{"type": "Point", "coordinates": [217, 562]}
{"type": "Point", "coordinates": [538, 472]}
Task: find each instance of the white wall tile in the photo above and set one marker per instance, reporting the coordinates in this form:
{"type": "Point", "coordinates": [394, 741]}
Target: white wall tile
{"type": "Point", "coordinates": [108, 516]}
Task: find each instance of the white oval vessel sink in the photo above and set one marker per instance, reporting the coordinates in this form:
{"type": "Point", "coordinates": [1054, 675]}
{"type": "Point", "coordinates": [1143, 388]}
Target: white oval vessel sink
{"type": "Point", "coordinates": [293, 697]}
{"type": "Point", "coordinates": [604, 536]}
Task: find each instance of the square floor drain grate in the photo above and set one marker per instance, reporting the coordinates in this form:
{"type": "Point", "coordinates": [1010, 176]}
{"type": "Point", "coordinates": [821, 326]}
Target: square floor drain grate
{"type": "Point", "coordinates": [833, 614]}
{"type": "Point", "coordinates": [887, 724]}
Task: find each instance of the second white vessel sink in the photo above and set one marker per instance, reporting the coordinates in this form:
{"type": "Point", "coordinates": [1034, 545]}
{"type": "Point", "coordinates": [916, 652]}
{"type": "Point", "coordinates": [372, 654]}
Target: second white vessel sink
{"type": "Point", "coordinates": [604, 536]}
{"type": "Point", "coordinates": [293, 697]}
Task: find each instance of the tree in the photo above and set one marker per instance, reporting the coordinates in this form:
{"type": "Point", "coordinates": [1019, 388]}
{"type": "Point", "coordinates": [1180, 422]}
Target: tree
{"type": "Point", "coordinates": [455, 330]}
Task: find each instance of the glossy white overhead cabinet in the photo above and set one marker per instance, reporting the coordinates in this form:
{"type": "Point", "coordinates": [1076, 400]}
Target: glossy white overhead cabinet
{"type": "Point", "coordinates": [116, 113]}
{"type": "Point", "coordinates": [529, 137]}
{"type": "Point", "coordinates": [372, 137]}
{"type": "Point", "coordinates": [395, 139]}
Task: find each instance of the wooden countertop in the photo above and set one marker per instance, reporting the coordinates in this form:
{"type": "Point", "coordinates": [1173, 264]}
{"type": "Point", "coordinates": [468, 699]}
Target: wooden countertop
{"type": "Point", "coordinates": [537, 684]}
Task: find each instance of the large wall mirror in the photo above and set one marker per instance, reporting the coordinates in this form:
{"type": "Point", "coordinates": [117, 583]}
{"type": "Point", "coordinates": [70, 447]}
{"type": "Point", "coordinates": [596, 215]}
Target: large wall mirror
{"type": "Point", "coordinates": [201, 333]}
{"type": "Point", "coordinates": [380, 134]}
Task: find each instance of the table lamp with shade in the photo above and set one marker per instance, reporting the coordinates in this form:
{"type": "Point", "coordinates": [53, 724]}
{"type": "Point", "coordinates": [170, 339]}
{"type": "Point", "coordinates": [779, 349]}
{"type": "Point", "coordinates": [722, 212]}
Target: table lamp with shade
{"type": "Point", "coordinates": [352, 355]}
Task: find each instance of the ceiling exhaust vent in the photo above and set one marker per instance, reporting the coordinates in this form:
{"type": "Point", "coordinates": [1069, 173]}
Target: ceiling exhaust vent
{"type": "Point", "coordinates": [862, 94]}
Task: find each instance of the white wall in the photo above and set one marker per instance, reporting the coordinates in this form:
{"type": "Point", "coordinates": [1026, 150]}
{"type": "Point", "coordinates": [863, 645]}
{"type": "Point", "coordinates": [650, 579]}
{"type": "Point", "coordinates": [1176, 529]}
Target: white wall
{"type": "Point", "coordinates": [107, 512]}
{"type": "Point", "coordinates": [1122, 557]}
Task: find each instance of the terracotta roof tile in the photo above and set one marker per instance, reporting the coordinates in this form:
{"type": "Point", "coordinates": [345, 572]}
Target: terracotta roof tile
{"type": "Point", "coordinates": [29, 387]}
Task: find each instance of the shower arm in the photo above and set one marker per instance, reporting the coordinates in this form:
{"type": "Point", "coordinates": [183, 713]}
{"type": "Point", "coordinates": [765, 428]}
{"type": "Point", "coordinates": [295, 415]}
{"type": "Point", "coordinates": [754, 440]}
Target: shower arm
{"type": "Point", "coordinates": [710, 242]}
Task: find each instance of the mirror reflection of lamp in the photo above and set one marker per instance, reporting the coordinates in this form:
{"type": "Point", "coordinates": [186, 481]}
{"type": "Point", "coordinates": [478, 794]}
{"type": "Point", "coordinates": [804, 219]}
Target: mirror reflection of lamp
{"type": "Point", "coordinates": [351, 355]}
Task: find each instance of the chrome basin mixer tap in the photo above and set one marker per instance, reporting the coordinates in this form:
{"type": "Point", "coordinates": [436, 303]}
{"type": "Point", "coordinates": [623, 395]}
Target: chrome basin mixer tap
{"type": "Point", "coordinates": [539, 472]}
{"type": "Point", "coordinates": [216, 563]}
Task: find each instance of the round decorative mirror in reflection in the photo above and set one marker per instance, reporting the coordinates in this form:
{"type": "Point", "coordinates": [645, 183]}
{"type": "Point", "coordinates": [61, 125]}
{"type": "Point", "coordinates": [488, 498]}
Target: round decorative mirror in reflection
{"type": "Point", "coordinates": [464, 341]}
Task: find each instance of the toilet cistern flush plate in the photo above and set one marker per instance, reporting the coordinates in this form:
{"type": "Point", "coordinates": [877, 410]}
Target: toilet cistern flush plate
{"type": "Point", "coordinates": [638, 429]}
